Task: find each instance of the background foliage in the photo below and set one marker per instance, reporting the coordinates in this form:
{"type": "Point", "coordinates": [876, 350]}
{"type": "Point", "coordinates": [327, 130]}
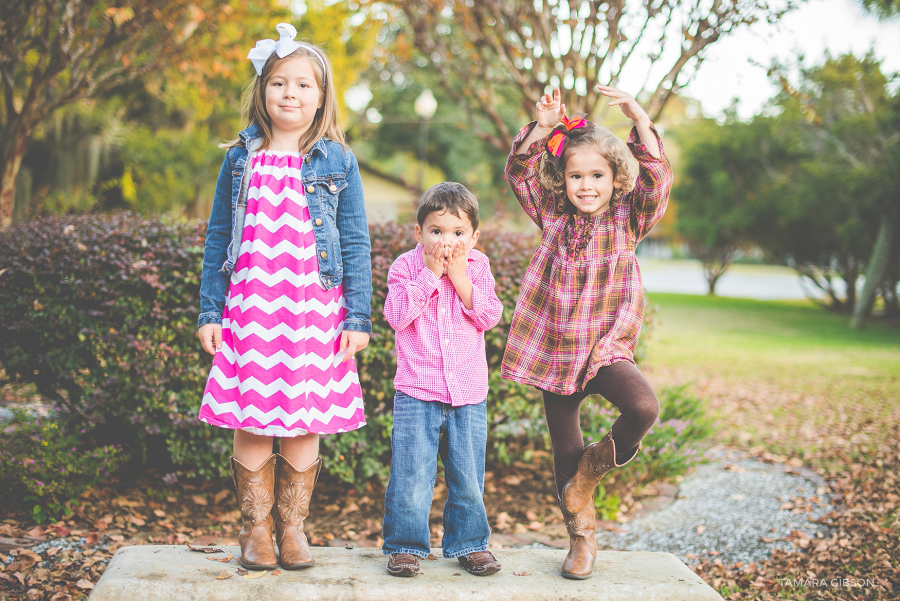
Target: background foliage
{"type": "Point", "coordinates": [99, 313]}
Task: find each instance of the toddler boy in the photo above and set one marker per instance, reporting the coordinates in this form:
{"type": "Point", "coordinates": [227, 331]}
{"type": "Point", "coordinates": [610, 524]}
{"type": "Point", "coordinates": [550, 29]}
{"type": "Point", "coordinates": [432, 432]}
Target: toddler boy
{"type": "Point", "coordinates": [440, 301]}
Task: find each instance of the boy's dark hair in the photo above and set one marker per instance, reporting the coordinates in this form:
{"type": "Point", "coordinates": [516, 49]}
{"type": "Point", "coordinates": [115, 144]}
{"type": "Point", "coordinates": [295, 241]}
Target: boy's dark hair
{"type": "Point", "coordinates": [448, 196]}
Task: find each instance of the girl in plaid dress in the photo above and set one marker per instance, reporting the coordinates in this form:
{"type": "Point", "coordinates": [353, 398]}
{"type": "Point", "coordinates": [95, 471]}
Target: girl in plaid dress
{"type": "Point", "coordinates": [581, 305]}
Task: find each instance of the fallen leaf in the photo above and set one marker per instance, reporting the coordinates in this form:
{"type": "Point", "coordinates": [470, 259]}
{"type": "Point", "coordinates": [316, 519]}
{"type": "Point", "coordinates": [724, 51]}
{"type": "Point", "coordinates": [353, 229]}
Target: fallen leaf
{"type": "Point", "coordinates": [198, 500]}
{"type": "Point", "coordinates": [276, 572]}
{"type": "Point", "coordinates": [242, 571]}
{"type": "Point", "coordinates": [431, 557]}
{"type": "Point", "coordinates": [737, 497]}
{"type": "Point", "coordinates": [225, 574]}
{"type": "Point", "coordinates": [348, 546]}
{"type": "Point", "coordinates": [159, 513]}
{"type": "Point", "coordinates": [701, 529]}
{"type": "Point", "coordinates": [205, 549]}
{"type": "Point", "coordinates": [220, 496]}
{"type": "Point", "coordinates": [34, 557]}
{"type": "Point", "coordinates": [521, 574]}
{"type": "Point", "coordinates": [84, 583]}
{"type": "Point", "coordinates": [259, 574]}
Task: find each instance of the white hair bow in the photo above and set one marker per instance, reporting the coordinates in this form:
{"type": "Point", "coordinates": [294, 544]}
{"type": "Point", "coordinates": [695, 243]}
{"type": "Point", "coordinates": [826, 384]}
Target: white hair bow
{"type": "Point", "coordinates": [286, 44]}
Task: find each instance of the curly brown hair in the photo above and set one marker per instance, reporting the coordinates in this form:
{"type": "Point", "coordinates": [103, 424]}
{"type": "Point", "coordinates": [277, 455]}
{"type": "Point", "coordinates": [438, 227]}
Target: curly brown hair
{"type": "Point", "coordinates": [623, 164]}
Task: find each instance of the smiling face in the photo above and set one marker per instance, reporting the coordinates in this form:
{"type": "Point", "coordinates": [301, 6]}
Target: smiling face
{"type": "Point", "coordinates": [448, 229]}
{"type": "Point", "coordinates": [293, 95]}
{"type": "Point", "coordinates": [589, 180]}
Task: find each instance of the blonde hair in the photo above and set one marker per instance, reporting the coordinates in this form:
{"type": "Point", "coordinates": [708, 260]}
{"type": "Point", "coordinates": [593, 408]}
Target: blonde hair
{"type": "Point", "coordinates": [325, 123]}
{"type": "Point", "coordinates": [610, 147]}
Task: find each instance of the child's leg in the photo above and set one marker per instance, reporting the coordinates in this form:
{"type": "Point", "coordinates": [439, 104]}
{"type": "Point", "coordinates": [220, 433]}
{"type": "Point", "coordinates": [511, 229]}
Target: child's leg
{"type": "Point", "coordinates": [251, 449]}
{"type": "Point", "coordinates": [301, 450]}
{"type": "Point", "coordinates": [623, 385]}
{"type": "Point", "coordinates": [407, 503]}
{"type": "Point", "coordinates": [562, 412]}
{"type": "Point", "coordinates": [253, 470]}
{"type": "Point", "coordinates": [466, 528]}
{"type": "Point", "coordinates": [297, 469]}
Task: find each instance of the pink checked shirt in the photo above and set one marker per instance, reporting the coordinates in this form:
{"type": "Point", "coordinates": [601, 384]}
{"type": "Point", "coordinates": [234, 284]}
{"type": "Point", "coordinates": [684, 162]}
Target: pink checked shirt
{"type": "Point", "coordinates": [440, 343]}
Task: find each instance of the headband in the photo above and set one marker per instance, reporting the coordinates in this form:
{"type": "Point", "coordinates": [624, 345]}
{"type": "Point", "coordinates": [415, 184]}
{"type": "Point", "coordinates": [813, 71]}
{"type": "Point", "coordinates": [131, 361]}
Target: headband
{"type": "Point", "coordinates": [260, 53]}
{"type": "Point", "coordinates": [556, 143]}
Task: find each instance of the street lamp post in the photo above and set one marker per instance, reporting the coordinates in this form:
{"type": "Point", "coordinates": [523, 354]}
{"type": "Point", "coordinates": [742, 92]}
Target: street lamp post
{"type": "Point", "coordinates": [425, 107]}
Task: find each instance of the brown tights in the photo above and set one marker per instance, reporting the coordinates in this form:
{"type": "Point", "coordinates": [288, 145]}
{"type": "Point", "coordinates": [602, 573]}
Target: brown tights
{"type": "Point", "coordinates": [623, 385]}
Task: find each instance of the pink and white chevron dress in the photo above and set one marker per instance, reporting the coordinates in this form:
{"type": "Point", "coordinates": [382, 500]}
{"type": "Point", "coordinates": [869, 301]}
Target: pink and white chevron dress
{"type": "Point", "coordinates": [279, 372]}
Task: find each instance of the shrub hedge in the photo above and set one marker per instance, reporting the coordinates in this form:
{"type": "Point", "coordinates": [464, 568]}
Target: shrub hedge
{"type": "Point", "coordinates": [99, 313]}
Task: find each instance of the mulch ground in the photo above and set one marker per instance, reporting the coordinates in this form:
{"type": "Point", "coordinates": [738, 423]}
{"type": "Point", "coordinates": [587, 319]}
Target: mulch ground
{"type": "Point", "coordinates": [860, 560]}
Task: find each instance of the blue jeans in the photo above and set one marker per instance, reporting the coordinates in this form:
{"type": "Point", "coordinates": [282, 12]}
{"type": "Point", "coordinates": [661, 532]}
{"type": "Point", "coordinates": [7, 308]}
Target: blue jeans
{"type": "Point", "coordinates": [422, 430]}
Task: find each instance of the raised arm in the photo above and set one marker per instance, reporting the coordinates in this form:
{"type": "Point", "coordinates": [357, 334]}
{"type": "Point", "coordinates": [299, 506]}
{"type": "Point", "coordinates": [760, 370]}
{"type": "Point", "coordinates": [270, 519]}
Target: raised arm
{"type": "Point", "coordinates": [409, 289]}
{"type": "Point", "coordinates": [487, 308]}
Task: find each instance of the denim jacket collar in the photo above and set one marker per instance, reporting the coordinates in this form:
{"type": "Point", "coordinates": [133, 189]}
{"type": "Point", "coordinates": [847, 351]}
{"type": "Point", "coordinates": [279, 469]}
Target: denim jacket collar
{"type": "Point", "coordinates": [252, 135]}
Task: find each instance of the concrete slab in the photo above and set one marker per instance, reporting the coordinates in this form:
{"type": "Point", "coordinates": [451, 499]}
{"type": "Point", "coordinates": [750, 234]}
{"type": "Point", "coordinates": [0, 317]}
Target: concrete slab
{"type": "Point", "coordinates": [170, 573]}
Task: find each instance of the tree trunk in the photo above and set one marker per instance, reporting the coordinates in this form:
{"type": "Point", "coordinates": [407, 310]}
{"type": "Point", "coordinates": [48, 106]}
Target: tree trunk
{"type": "Point", "coordinates": [11, 154]}
{"type": "Point", "coordinates": [878, 265]}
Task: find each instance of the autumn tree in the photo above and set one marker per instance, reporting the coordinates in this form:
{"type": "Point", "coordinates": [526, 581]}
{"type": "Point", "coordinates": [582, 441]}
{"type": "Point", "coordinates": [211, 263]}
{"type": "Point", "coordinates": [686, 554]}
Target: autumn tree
{"type": "Point", "coordinates": [489, 52]}
{"type": "Point", "coordinates": [55, 52]}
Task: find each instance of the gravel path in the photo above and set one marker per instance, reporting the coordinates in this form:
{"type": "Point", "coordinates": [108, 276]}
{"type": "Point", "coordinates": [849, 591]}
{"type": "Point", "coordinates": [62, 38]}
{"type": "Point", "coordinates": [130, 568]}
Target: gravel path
{"type": "Point", "coordinates": [737, 510]}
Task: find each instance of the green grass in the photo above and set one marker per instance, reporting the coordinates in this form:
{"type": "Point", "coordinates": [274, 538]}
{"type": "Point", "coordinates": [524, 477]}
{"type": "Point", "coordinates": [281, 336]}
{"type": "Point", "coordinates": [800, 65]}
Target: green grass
{"type": "Point", "coordinates": [809, 360]}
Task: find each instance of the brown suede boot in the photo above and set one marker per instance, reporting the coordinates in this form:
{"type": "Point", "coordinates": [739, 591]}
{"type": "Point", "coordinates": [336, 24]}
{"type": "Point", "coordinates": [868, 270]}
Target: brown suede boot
{"type": "Point", "coordinates": [598, 459]}
{"type": "Point", "coordinates": [579, 563]}
{"type": "Point", "coordinates": [293, 490]}
{"type": "Point", "coordinates": [255, 491]}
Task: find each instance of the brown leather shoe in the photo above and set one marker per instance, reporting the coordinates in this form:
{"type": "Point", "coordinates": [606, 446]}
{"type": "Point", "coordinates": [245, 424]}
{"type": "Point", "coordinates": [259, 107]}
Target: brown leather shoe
{"type": "Point", "coordinates": [480, 563]}
{"type": "Point", "coordinates": [403, 564]}
{"type": "Point", "coordinates": [255, 490]}
{"type": "Point", "coordinates": [293, 491]}
{"type": "Point", "coordinates": [579, 563]}
{"type": "Point", "coordinates": [598, 459]}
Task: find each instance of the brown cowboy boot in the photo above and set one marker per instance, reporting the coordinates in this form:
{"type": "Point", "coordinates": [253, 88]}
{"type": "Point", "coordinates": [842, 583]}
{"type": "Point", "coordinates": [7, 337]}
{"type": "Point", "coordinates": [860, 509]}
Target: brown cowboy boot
{"type": "Point", "coordinates": [598, 459]}
{"type": "Point", "coordinates": [579, 563]}
{"type": "Point", "coordinates": [293, 490]}
{"type": "Point", "coordinates": [255, 494]}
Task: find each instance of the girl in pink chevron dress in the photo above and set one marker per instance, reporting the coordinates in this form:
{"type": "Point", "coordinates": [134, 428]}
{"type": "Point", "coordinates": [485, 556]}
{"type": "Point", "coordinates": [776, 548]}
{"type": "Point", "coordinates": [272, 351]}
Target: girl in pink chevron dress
{"type": "Point", "coordinates": [279, 371]}
{"type": "Point", "coordinates": [285, 296]}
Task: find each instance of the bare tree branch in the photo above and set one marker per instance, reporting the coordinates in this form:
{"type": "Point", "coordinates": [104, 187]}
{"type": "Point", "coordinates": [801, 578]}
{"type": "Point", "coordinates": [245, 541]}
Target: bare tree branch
{"type": "Point", "coordinates": [525, 47]}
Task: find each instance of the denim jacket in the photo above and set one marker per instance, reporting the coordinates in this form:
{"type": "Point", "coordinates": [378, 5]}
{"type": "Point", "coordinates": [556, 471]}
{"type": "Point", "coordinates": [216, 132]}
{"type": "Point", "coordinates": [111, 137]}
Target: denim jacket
{"type": "Point", "coordinates": [335, 198]}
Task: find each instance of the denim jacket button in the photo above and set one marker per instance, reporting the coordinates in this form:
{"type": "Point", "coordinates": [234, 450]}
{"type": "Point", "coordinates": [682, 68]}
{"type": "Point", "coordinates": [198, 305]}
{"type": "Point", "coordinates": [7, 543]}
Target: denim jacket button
{"type": "Point", "coordinates": [333, 188]}
{"type": "Point", "coordinates": [318, 221]}
{"type": "Point", "coordinates": [310, 189]}
{"type": "Point", "coordinates": [323, 254]}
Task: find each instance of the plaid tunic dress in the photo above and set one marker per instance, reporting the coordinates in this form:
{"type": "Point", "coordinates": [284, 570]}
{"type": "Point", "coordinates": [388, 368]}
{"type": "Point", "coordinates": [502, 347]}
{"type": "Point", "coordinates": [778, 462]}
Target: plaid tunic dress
{"type": "Point", "coordinates": [581, 305]}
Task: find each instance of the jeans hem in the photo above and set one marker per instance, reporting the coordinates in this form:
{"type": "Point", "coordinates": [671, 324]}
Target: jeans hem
{"type": "Point", "coordinates": [418, 553]}
{"type": "Point", "coordinates": [456, 554]}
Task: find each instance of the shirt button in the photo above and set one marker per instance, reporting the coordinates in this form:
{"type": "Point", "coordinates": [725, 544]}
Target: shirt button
{"type": "Point", "coordinates": [323, 254]}
{"type": "Point", "coordinates": [449, 376]}
{"type": "Point", "coordinates": [333, 188]}
{"type": "Point", "coordinates": [318, 221]}
{"type": "Point", "coordinates": [310, 189]}
{"type": "Point", "coordinates": [446, 341]}
{"type": "Point", "coordinates": [443, 310]}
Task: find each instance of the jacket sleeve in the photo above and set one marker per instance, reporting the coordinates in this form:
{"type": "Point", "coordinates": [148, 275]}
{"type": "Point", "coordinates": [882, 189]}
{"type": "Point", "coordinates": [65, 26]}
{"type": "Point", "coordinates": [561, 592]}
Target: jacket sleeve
{"type": "Point", "coordinates": [409, 289]}
{"type": "Point", "coordinates": [522, 175]}
{"type": "Point", "coordinates": [356, 251]}
{"type": "Point", "coordinates": [650, 197]}
{"type": "Point", "coordinates": [214, 278]}
{"type": "Point", "coordinates": [487, 308]}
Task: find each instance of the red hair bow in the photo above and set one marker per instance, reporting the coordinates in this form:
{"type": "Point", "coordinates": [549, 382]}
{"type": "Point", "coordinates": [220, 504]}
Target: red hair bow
{"type": "Point", "coordinates": [557, 142]}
